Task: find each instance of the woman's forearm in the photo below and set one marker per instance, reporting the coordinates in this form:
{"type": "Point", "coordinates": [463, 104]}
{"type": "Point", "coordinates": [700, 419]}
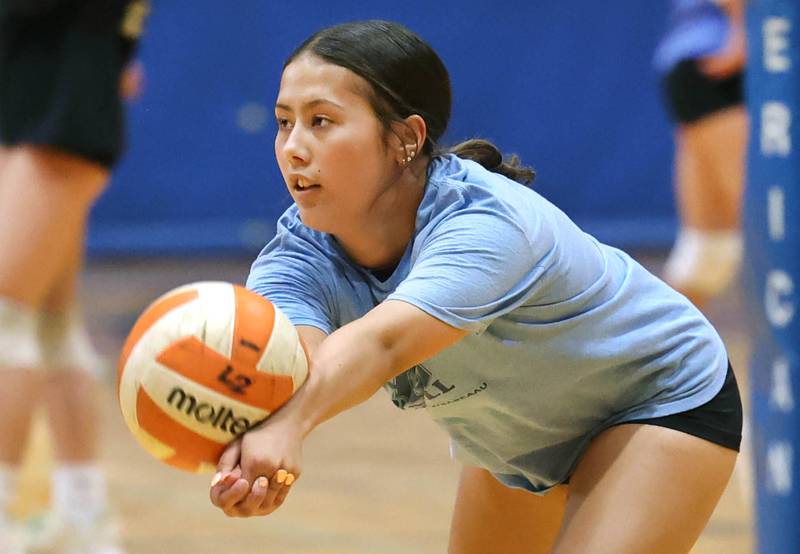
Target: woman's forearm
{"type": "Point", "coordinates": [347, 368]}
{"type": "Point", "coordinates": [351, 364]}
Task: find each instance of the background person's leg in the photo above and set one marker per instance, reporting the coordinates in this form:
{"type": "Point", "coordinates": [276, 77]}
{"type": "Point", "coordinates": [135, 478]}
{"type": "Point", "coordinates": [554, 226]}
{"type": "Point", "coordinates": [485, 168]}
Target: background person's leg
{"type": "Point", "coordinates": [709, 177]}
{"type": "Point", "coordinates": [45, 197]}
{"type": "Point", "coordinates": [710, 183]}
{"type": "Point", "coordinates": [70, 396]}
{"type": "Point", "coordinates": [44, 200]}
{"type": "Point", "coordinates": [69, 390]}
{"type": "Point", "coordinates": [16, 387]}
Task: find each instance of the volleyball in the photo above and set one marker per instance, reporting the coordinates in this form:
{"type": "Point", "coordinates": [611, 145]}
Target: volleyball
{"type": "Point", "coordinates": [203, 364]}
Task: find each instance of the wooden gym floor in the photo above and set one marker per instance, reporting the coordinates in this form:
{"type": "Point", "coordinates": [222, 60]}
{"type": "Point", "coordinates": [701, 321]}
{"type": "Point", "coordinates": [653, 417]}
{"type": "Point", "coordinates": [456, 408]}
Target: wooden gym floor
{"type": "Point", "coordinates": [376, 480]}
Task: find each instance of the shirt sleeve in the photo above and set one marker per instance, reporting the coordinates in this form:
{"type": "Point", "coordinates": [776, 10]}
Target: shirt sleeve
{"type": "Point", "coordinates": [476, 266]}
{"type": "Point", "coordinates": [291, 273]}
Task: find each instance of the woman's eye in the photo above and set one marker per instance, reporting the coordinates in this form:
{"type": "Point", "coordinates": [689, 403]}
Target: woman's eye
{"type": "Point", "coordinates": [319, 121]}
{"type": "Point", "coordinates": [283, 123]}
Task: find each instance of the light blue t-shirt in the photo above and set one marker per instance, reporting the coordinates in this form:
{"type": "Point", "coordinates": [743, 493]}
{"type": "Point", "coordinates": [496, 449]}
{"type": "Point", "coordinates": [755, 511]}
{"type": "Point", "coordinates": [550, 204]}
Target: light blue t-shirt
{"type": "Point", "coordinates": [568, 336]}
{"type": "Point", "coordinates": [696, 28]}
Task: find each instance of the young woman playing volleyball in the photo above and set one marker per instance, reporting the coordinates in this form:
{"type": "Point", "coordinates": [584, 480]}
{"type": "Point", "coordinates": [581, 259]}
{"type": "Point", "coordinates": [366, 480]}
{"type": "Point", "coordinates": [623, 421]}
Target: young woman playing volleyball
{"type": "Point", "coordinates": [557, 365]}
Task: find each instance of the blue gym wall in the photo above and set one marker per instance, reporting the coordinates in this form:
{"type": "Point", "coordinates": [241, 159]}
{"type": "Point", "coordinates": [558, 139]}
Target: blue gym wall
{"type": "Point", "coordinates": [567, 85]}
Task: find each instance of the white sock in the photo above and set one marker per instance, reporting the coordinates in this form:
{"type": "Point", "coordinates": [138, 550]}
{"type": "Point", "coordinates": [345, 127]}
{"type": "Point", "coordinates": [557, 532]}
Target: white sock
{"type": "Point", "coordinates": [8, 488]}
{"type": "Point", "coordinates": [79, 493]}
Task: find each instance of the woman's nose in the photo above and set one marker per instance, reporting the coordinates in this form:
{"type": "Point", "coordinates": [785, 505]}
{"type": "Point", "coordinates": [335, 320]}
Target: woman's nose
{"type": "Point", "coordinates": [295, 150]}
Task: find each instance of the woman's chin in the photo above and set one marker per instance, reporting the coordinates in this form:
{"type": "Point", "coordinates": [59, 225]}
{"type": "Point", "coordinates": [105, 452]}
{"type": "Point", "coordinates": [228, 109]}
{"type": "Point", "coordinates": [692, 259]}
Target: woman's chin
{"type": "Point", "coordinates": [315, 221]}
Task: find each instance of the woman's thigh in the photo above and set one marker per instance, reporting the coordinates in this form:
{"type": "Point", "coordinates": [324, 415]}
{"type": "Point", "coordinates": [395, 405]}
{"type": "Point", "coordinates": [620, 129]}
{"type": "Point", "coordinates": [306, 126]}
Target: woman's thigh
{"type": "Point", "coordinates": [490, 517]}
{"type": "Point", "coordinates": [642, 488]}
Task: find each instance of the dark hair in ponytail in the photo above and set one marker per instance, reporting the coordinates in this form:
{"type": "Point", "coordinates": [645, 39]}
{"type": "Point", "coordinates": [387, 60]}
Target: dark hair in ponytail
{"type": "Point", "coordinates": [490, 157]}
{"type": "Point", "coordinates": [406, 77]}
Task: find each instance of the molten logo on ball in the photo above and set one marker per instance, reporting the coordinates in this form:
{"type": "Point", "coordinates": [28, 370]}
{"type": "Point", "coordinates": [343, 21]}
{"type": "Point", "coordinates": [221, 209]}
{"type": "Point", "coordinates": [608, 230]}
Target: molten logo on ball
{"type": "Point", "coordinates": [221, 417]}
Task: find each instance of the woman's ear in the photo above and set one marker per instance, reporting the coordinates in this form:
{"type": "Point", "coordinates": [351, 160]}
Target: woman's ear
{"type": "Point", "coordinates": [411, 133]}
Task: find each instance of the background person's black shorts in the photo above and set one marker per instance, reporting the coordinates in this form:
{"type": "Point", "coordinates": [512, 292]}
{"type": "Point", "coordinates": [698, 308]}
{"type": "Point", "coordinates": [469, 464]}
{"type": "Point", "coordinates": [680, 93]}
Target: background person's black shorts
{"type": "Point", "coordinates": [719, 420]}
{"type": "Point", "coordinates": [691, 95]}
{"type": "Point", "coordinates": [60, 66]}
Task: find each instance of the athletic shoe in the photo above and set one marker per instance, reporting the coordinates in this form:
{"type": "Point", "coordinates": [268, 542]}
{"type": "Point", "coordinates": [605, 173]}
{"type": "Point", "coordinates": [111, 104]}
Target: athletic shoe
{"type": "Point", "coordinates": [51, 534]}
{"type": "Point", "coordinates": [12, 538]}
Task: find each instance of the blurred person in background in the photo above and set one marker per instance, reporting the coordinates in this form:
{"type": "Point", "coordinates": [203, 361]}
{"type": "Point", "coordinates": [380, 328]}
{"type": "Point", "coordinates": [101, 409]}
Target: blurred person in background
{"type": "Point", "coordinates": [62, 74]}
{"type": "Point", "coordinates": [701, 59]}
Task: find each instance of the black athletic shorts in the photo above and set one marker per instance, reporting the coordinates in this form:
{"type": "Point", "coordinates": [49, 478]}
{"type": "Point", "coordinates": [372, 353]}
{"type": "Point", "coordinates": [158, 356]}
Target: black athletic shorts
{"type": "Point", "coordinates": [719, 420]}
{"type": "Point", "coordinates": [60, 66]}
{"type": "Point", "coordinates": [691, 95]}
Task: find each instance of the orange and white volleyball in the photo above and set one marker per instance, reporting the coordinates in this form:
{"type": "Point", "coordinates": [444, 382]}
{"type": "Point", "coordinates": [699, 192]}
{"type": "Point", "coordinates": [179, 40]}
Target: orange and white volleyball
{"type": "Point", "coordinates": [204, 363]}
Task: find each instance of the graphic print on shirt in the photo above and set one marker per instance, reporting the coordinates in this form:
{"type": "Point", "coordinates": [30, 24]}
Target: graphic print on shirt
{"type": "Point", "coordinates": [413, 387]}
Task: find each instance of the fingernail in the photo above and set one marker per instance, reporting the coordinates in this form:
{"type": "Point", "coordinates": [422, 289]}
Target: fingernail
{"type": "Point", "coordinates": [262, 482]}
{"type": "Point", "coordinates": [216, 479]}
{"type": "Point", "coordinates": [289, 479]}
{"type": "Point", "coordinates": [281, 475]}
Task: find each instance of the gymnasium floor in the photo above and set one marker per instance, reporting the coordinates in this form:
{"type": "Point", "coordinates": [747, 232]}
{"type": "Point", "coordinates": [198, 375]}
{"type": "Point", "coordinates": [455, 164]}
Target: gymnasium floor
{"type": "Point", "coordinates": [376, 481]}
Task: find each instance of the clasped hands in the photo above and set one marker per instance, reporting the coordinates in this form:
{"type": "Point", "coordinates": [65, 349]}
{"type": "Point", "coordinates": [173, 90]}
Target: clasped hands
{"type": "Point", "coordinates": [256, 471]}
